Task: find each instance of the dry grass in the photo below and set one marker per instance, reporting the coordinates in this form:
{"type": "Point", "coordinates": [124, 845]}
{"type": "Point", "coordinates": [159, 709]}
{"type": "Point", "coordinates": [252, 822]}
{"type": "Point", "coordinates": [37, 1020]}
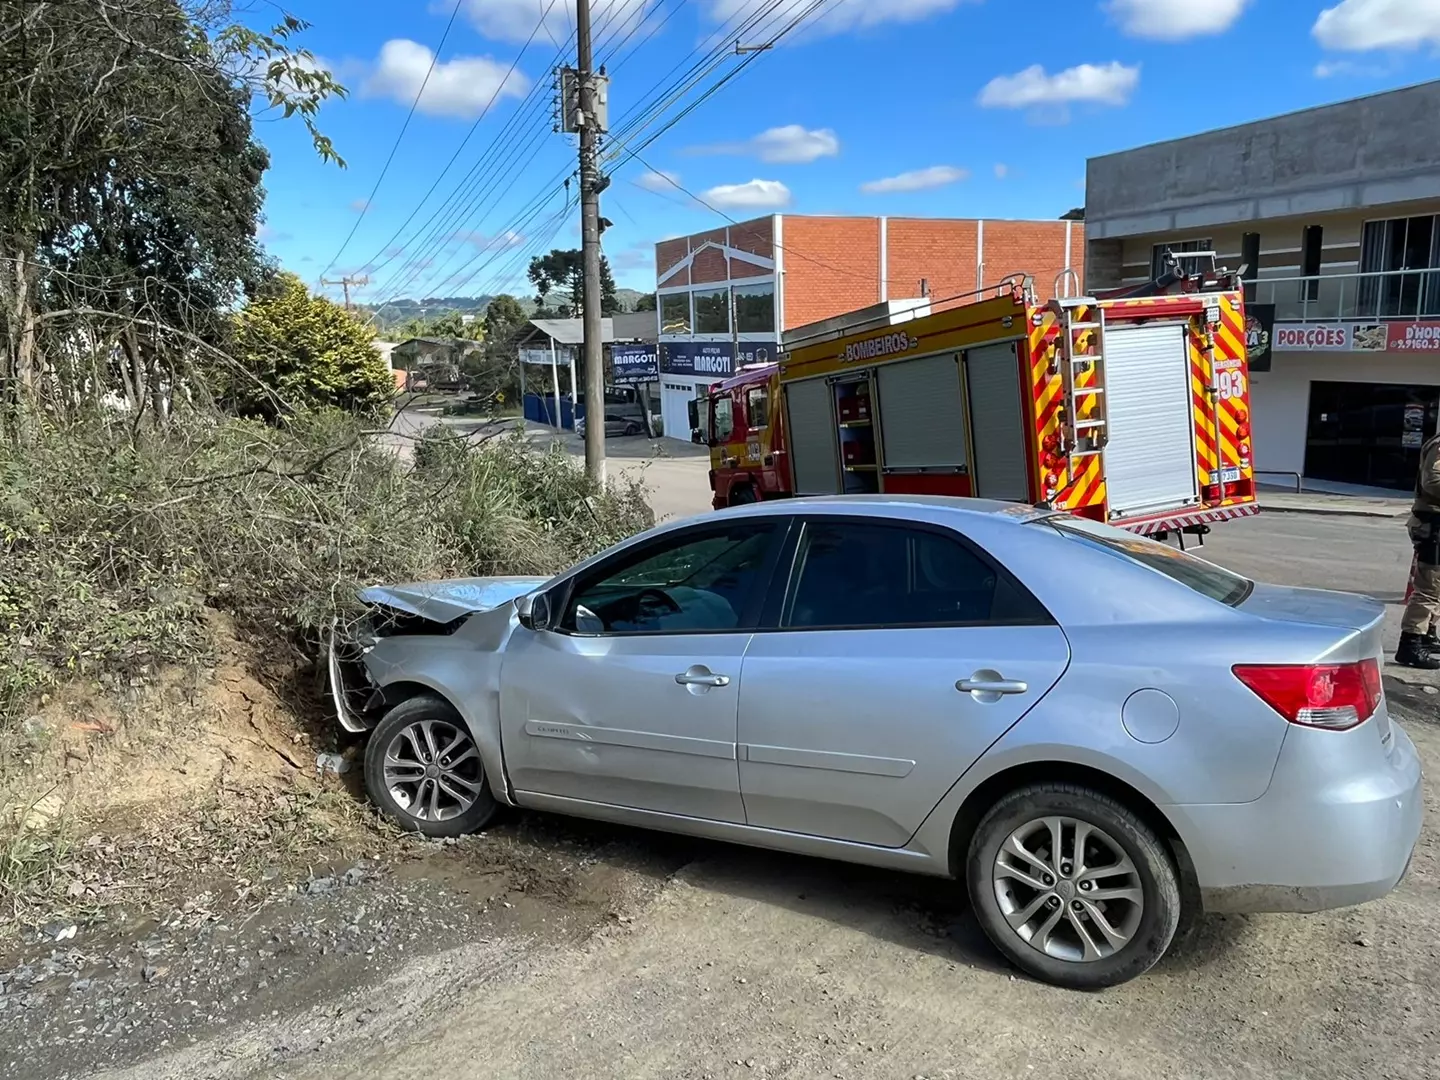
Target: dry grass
{"type": "Point", "coordinates": [162, 594]}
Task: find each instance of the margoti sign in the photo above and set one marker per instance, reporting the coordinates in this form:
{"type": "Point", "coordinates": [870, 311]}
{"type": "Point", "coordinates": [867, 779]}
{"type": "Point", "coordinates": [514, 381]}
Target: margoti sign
{"type": "Point", "coordinates": [712, 358]}
{"type": "Point", "coordinates": [1378, 337]}
{"type": "Point", "coordinates": [638, 363]}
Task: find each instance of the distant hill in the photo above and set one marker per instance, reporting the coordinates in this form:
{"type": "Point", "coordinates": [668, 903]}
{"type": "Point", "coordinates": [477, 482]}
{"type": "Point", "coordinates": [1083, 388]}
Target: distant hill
{"type": "Point", "coordinates": [394, 312]}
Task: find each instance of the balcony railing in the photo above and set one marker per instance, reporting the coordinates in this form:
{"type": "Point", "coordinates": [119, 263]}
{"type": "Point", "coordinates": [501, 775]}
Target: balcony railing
{"type": "Point", "coordinates": [1390, 294]}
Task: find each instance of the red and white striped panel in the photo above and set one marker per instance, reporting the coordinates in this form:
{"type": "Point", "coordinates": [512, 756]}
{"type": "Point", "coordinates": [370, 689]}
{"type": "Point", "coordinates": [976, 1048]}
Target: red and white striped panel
{"type": "Point", "coordinates": [1171, 522]}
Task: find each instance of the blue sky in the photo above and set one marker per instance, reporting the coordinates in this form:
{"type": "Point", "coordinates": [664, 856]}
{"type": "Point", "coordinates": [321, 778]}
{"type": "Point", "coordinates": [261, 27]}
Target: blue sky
{"type": "Point", "coordinates": [962, 108]}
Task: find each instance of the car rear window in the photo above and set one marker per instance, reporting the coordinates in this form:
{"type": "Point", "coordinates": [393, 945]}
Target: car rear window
{"type": "Point", "coordinates": [1204, 577]}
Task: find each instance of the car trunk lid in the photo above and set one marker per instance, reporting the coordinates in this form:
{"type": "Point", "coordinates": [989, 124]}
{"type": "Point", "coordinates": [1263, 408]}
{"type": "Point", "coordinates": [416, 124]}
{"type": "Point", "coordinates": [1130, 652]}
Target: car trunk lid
{"type": "Point", "coordinates": [1356, 617]}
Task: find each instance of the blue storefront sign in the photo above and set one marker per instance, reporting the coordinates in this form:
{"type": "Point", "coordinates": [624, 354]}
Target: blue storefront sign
{"type": "Point", "coordinates": [713, 358]}
{"type": "Point", "coordinates": [634, 363]}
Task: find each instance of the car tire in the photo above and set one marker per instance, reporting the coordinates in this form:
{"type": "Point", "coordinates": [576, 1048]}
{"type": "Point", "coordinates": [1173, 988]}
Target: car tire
{"type": "Point", "coordinates": [1134, 936]}
{"type": "Point", "coordinates": [413, 785]}
{"type": "Point", "coordinates": [632, 429]}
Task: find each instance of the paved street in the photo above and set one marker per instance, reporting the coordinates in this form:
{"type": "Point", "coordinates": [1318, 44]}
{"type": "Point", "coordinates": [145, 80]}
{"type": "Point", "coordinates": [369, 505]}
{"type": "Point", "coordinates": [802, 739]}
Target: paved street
{"type": "Point", "coordinates": [674, 473]}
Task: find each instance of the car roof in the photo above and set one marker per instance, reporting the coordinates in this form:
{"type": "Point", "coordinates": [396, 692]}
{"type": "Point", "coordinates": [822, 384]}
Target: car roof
{"type": "Point", "coordinates": [867, 505]}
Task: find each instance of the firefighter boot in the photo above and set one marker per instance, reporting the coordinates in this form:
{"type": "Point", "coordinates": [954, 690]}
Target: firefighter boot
{"type": "Point", "coordinates": [1415, 652]}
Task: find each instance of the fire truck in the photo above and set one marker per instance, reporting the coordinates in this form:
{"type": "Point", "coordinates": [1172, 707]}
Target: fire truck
{"type": "Point", "coordinates": [1131, 408]}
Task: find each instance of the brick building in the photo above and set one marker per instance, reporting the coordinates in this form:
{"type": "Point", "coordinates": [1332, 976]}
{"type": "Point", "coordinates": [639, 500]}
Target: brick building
{"type": "Point", "coordinates": [733, 291]}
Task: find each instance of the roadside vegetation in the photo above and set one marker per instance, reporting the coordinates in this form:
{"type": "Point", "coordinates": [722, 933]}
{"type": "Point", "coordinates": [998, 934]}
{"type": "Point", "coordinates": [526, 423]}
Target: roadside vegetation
{"type": "Point", "coordinates": [195, 472]}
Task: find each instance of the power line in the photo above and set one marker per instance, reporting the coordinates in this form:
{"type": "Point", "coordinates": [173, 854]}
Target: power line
{"type": "Point", "coordinates": [749, 58]}
{"type": "Point", "coordinates": [474, 175]}
{"type": "Point", "coordinates": [434, 59]}
{"type": "Point", "coordinates": [473, 128]}
{"type": "Point", "coordinates": [657, 101]}
{"type": "Point", "coordinates": [447, 231]}
{"type": "Point", "coordinates": [442, 220]}
{"type": "Point", "coordinates": [716, 210]}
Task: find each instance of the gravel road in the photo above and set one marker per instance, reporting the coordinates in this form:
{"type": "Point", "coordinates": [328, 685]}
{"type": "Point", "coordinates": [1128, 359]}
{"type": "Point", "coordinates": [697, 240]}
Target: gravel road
{"type": "Point", "coordinates": [713, 961]}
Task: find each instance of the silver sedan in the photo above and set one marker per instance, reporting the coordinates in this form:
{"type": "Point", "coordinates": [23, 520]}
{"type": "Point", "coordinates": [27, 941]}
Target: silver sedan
{"type": "Point", "coordinates": [1098, 734]}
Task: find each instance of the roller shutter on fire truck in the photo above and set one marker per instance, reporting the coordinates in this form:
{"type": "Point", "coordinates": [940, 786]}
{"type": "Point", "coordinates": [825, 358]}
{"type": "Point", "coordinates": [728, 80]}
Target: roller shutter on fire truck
{"type": "Point", "coordinates": [810, 433]}
{"type": "Point", "coordinates": [1001, 469]}
{"type": "Point", "coordinates": [920, 414]}
{"type": "Point", "coordinates": [1149, 459]}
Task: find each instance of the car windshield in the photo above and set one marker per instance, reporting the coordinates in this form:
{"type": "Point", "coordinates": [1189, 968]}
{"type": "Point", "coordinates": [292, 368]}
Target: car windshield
{"type": "Point", "coordinates": [1204, 577]}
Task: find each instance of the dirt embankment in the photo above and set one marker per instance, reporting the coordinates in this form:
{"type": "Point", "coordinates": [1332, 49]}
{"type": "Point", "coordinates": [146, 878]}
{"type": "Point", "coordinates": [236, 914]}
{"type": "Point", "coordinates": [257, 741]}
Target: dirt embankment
{"type": "Point", "coordinates": [176, 865]}
{"type": "Point", "coordinates": [121, 797]}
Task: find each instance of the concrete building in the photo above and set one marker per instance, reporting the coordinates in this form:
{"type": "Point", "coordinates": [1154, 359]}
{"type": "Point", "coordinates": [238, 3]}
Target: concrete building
{"type": "Point", "coordinates": [1337, 211]}
{"type": "Point", "coordinates": [731, 292]}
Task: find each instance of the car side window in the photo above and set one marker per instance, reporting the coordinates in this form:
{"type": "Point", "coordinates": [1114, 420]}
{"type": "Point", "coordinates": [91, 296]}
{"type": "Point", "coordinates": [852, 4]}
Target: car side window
{"type": "Point", "coordinates": [867, 575]}
{"type": "Point", "coordinates": [699, 583]}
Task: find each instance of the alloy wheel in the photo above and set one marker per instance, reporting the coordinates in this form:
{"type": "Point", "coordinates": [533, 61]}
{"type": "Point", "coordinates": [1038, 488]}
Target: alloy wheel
{"type": "Point", "coordinates": [1067, 889]}
{"type": "Point", "coordinates": [432, 770]}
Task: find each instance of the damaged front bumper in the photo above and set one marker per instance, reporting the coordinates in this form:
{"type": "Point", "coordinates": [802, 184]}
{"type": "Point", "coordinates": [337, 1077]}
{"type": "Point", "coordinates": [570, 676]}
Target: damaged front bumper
{"type": "Point", "coordinates": [424, 610]}
{"type": "Point", "coordinates": [350, 686]}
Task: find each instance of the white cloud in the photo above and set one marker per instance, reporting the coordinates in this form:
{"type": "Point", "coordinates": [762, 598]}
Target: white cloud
{"type": "Point", "coordinates": [1334, 69]}
{"type": "Point", "coordinates": [360, 205]}
{"type": "Point", "coordinates": [1001, 170]}
{"type": "Point", "coordinates": [661, 180]}
{"type": "Point", "coordinates": [919, 180]}
{"type": "Point", "coordinates": [486, 242]}
{"type": "Point", "coordinates": [1175, 20]}
{"type": "Point", "coordinates": [1103, 84]}
{"type": "Point", "coordinates": [790, 144]}
{"type": "Point", "coordinates": [755, 195]}
{"type": "Point", "coordinates": [516, 20]}
{"type": "Point", "coordinates": [461, 87]}
{"type": "Point", "coordinates": [838, 17]}
{"type": "Point", "coordinates": [1363, 25]}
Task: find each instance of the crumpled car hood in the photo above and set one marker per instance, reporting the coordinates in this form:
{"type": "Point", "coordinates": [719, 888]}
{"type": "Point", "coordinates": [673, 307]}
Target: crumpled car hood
{"type": "Point", "coordinates": [445, 601]}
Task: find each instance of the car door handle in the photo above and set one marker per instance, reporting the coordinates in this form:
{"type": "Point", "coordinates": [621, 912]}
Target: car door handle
{"type": "Point", "coordinates": [701, 678]}
{"type": "Point", "coordinates": [992, 686]}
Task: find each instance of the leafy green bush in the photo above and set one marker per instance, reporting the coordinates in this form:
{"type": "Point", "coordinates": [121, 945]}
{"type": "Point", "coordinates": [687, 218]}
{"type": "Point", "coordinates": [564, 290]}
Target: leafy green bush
{"type": "Point", "coordinates": [300, 351]}
{"type": "Point", "coordinates": [112, 545]}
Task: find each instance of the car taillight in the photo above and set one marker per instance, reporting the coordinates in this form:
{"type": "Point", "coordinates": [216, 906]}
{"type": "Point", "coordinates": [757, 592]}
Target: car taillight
{"type": "Point", "coordinates": [1333, 696]}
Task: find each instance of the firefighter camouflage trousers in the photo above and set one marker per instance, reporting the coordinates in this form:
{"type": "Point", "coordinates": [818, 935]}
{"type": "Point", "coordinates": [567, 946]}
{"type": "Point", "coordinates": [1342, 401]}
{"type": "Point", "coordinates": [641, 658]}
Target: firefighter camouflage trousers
{"type": "Point", "coordinates": [1423, 610]}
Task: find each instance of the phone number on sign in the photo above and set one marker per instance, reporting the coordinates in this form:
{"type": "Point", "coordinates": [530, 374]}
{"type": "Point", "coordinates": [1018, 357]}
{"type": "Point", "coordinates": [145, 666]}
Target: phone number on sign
{"type": "Point", "coordinates": [1413, 338]}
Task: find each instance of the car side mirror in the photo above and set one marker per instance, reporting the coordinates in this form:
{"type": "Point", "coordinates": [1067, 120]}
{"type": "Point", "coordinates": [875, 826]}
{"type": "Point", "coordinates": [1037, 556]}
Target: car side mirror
{"type": "Point", "coordinates": [533, 611]}
{"type": "Point", "coordinates": [695, 436]}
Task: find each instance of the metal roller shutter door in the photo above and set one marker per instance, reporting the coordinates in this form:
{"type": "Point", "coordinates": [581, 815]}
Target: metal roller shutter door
{"type": "Point", "coordinates": [1150, 455]}
{"type": "Point", "coordinates": [1001, 470]}
{"type": "Point", "coordinates": [920, 415]}
{"type": "Point", "coordinates": [810, 431]}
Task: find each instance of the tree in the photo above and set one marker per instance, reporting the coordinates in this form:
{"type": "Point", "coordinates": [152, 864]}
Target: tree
{"type": "Point", "coordinates": [449, 325]}
{"type": "Point", "coordinates": [504, 318]}
{"type": "Point", "coordinates": [1076, 214]}
{"type": "Point", "coordinates": [645, 302]}
{"type": "Point", "coordinates": [505, 322]}
{"type": "Point", "coordinates": [132, 185]}
{"type": "Point", "coordinates": [303, 351]}
{"type": "Point", "coordinates": [564, 270]}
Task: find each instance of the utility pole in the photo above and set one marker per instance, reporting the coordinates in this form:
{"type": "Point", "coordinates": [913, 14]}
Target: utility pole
{"type": "Point", "coordinates": [346, 282]}
{"type": "Point", "coordinates": [590, 187]}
